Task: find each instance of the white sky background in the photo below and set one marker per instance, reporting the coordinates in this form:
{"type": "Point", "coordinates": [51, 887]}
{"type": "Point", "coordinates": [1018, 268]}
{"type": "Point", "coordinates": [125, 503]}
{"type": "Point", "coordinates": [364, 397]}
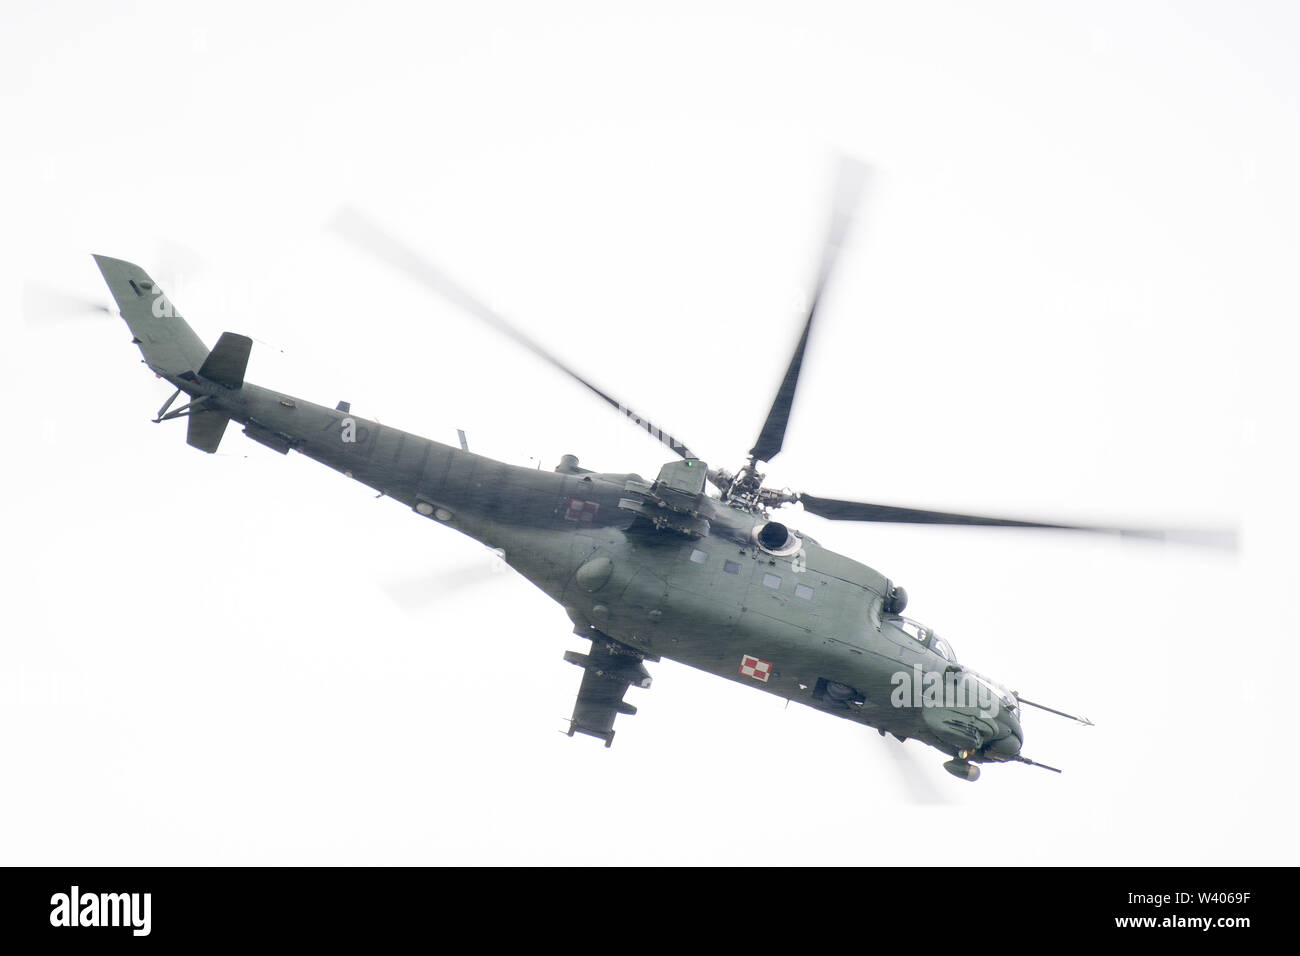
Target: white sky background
{"type": "Point", "coordinates": [1071, 294]}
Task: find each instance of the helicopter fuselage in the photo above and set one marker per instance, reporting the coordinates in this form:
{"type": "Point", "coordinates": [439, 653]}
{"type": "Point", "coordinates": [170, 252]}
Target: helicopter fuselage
{"type": "Point", "coordinates": [663, 572]}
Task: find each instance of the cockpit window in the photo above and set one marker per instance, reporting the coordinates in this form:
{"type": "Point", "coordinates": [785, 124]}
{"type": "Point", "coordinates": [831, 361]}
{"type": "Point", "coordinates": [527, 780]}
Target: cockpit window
{"type": "Point", "coordinates": [913, 630]}
{"type": "Point", "coordinates": [925, 637]}
{"type": "Point", "coordinates": [1000, 693]}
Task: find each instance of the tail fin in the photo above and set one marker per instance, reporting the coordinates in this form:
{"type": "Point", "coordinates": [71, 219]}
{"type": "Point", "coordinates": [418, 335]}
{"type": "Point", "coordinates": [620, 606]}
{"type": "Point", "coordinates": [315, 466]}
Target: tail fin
{"type": "Point", "coordinates": [172, 349]}
{"type": "Point", "coordinates": [169, 345]}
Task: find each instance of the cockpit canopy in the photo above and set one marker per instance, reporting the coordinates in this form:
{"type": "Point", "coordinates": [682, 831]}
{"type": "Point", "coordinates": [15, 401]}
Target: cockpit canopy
{"type": "Point", "coordinates": [924, 636]}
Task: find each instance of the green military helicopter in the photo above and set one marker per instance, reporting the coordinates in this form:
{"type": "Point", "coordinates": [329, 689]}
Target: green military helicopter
{"type": "Point", "coordinates": [645, 569]}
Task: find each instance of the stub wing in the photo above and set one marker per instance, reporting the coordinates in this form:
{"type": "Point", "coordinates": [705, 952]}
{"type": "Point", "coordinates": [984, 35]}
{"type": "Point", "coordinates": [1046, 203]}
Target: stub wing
{"type": "Point", "coordinates": [608, 671]}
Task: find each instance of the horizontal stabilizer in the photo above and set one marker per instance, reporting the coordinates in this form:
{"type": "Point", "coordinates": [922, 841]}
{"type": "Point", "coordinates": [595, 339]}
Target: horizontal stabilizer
{"type": "Point", "coordinates": [206, 429]}
{"type": "Point", "coordinates": [228, 361]}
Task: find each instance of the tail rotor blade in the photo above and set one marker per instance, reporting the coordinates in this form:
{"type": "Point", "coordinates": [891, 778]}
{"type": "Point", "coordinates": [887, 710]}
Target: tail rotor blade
{"type": "Point", "coordinates": [42, 304]}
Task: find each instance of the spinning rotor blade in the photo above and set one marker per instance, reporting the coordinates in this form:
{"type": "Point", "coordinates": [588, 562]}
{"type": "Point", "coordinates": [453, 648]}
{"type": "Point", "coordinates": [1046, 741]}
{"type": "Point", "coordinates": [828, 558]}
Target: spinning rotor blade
{"type": "Point", "coordinates": [917, 779]}
{"type": "Point", "coordinates": [839, 509]}
{"type": "Point", "coordinates": [357, 228]}
{"type": "Point", "coordinates": [850, 180]}
{"type": "Point", "coordinates": [413, 595]}
{"type": "Point", "coordinates": [41, 304]}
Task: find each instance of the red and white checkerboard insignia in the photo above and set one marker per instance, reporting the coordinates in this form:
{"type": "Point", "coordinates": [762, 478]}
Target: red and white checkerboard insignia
{"type": "Point", "coordinates": [753, 667]}
{"type": "Point", "coordinates": [579, 510]}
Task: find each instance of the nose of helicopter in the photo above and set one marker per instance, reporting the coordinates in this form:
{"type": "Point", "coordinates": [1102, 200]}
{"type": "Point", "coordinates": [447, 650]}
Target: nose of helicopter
{"type": "Point", "coordinates": [1010, 736]}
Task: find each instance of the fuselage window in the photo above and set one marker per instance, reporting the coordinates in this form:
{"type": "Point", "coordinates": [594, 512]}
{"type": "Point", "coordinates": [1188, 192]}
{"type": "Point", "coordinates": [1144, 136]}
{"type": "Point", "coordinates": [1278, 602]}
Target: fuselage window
{"type": "Point", "coordinates": [731, 567]}
{"type": "Point", "coordinates": [771, 581]}
{"type": "Point", "coordinates": [699, 557]}
{"type": "Point", "coordinates": [803, 591]}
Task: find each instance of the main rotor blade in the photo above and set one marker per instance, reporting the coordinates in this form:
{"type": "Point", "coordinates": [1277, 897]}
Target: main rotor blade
{"type": "Point", "coordinates": [918, 779]}
{"type": "Point", "coordinates": [849, 183]}
{"type": "Point", "coordinates": [417, 594]}
{"type": "Point", "coordinates": [355, 227]}
{"type": "Point", "coordinates": [839, 509]}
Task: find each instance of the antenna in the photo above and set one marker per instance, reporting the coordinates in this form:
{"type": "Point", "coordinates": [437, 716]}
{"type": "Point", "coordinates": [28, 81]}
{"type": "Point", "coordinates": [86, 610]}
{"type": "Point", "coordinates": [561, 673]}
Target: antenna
{"type": "Point", "coordinates": [1053, 710]}
{"type": "Point", "coordinates": [1035, 763]}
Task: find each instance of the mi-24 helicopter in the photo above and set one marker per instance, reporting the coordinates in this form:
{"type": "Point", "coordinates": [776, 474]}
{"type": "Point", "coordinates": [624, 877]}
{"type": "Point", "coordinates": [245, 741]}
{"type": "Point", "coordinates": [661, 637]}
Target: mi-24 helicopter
{"type": "Point", "coordinates": [645, 569]}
